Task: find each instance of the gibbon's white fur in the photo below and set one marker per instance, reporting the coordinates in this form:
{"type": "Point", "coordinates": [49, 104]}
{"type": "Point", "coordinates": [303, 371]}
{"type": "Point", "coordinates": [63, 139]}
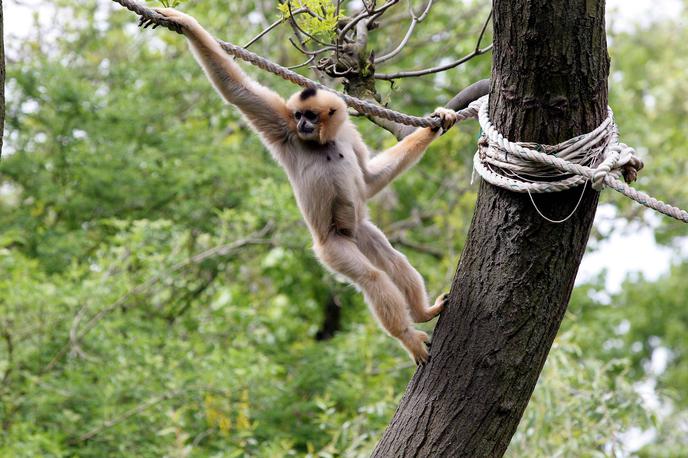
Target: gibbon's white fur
{"type": "Point", "coordinates": [332, 175]}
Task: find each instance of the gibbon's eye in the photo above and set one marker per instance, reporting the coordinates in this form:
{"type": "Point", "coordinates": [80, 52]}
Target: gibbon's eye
{"type": "Point", "coordinates": [297, 115]}
{"type": "Point", "coordinates": [310, 115]}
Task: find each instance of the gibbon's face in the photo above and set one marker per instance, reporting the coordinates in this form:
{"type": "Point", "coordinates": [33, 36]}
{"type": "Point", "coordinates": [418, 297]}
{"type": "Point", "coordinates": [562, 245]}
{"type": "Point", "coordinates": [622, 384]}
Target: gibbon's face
{"type": "Point", "coordinates": [317, 114]}
{"type": "Point", "coordinates": [307, 124]}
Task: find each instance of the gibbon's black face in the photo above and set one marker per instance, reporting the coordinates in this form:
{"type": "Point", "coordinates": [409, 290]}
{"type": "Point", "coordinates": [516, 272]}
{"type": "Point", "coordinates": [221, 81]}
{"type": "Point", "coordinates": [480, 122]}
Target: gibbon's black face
{"type": "Point", "coordinates": [317, 115]}
{"type": "Point", "coordinates": [307, 124]}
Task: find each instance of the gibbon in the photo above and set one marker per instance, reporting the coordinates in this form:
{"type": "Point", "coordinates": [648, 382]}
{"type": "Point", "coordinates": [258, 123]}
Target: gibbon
{"type": "Point", "coordinates": [328, 165]}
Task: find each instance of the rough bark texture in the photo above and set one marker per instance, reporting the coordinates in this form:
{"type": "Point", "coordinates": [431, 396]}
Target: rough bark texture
{"type": "Point", "coordinates": [517, 270]}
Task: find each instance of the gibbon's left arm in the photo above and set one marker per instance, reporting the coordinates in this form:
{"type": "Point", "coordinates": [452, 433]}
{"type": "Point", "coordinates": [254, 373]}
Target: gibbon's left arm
{"type": "Point", "coordinates": [388, 165]}
{"type": "Point", "coordinates": [265, 109]}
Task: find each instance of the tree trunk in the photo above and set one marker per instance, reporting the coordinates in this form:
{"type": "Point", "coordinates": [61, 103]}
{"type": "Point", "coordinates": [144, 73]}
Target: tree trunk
{"type": "Point", "coordinates": [517, 270]}
{"type": "Point", "coordinates": [2, 78]}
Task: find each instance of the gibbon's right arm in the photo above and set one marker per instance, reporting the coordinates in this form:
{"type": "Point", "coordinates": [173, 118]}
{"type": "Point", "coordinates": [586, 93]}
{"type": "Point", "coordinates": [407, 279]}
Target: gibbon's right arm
{"type": "Point", "coordinates": [389, 164]}
{"type": "Point", "coordinates": [265, 109]}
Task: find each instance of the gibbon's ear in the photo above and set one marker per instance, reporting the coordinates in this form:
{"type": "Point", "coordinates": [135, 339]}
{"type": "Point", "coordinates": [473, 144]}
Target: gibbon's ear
{"type": "Point", "coordinates": [332, 118]}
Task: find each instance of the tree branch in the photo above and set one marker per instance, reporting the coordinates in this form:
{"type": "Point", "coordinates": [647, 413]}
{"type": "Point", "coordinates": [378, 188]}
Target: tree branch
{"type": "Point", "coordinates": [415, 246]}
{"type": "Point", "coordinates": [274, 25]}
{"type": "Point", "coordinates": [431, 70]}
{"type": "Point", "coordinates": [221, 250]}
{"type": "Point", "coordinates": [477, 51]}
{"type": "Point", "coordinates": [415, 20]}
{"type": "Point", "coordinates": [141, 408]}
{"type": "Point", "coordinates": [369, 15]}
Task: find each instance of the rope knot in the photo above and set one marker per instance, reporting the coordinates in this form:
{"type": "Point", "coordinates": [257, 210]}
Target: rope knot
{"type": "Point", "coordinates": [483, 145]}
{"type": "Point", "coordinates": [619, 159]}
{"type": "Point", "coordinates": [611, 158]}
{"type": "Point", "coordinates": [630, 163]}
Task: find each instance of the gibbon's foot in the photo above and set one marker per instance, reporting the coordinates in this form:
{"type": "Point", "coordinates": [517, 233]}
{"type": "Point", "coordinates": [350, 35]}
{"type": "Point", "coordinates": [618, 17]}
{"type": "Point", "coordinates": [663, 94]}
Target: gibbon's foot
{"type": "Point", "coordinates": [447, 118]}
{"type": "Point", "coordinates": [434, 310]}
{"type": "Point", "coordinates": [184, 21]}
{"type": "Point", "coordinates": [414, 341]}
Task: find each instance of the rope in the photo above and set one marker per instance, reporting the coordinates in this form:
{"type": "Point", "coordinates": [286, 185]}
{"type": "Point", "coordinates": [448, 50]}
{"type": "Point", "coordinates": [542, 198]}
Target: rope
{"type": "Point", "coordinates": [519, 167]}
{"type": "Point", "coordinates": [151, 17]}
{"type": "Point", "coordinates": [522, 167]}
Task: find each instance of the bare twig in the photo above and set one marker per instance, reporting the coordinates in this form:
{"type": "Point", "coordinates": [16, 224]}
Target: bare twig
{"type": "Point", "coordinates": [438, 69]}
{"type": "Point", "coordinates": [200, 437]}
{"type": "Point", "coordinates": [482, 31]}
{"type": "Point", "coordinates": [311, 53]}
{"type": "Point", "coordinates": [303, 64]}
{"type": "Point", "coordinates": [364, 15]}
{"type": "Point", "coordinates": [419, 247]}
{"type": "Point", "coordinates": [361, 40]}
{"type": "Point", "coordinates": [414, 220]}
{"type": "Point", "coordinates": [274, 25]}
{"type": "Point", "coordinates": [414, 21]}
{"type": "Point", "coordinates": [73, 337]}
{"type": "Point", "coordinates": [477, 51]}
{"type": "Point", "coordinates": [296, 24]}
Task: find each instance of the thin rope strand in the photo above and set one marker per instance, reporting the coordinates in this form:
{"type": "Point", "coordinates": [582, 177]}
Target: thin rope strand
{"type": "Point", "coordinates": [558, 221]}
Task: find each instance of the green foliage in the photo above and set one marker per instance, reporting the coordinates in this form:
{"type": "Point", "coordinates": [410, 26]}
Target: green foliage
{"type": "Point", "coordinates": [158, 295]}
{"type": "Point", "coordinates": [171, 3]}
{"type": "Point", "coordinates": [323, 26]}
{"type": "Point", "coordinates": [649, 99]}
{"type": "Point", "coordinates": [599, 392]}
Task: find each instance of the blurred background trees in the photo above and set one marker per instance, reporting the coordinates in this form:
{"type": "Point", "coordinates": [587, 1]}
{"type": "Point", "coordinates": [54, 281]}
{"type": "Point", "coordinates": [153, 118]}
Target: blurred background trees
{"type": "Point", "coordinates": [157, 291]}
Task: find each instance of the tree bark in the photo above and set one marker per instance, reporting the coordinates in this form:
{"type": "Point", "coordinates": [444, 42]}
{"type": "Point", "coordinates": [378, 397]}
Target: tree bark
{"type": "Point", "coordinates": [2, 78]}
{"type": "Point", "coordinates": [514, 280]}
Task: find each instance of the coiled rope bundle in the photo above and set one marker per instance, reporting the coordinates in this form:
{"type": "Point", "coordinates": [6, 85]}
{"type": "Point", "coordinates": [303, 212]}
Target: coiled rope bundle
{"type": "Point", "coordinates": [597, 156]}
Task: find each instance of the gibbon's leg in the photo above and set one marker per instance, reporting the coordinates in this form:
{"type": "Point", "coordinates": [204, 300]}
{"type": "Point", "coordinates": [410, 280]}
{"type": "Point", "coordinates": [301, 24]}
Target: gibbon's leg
{"type": "Point", "coordinates": [374, 244]}
{"type": "Point", "coordinates": [386, 301]}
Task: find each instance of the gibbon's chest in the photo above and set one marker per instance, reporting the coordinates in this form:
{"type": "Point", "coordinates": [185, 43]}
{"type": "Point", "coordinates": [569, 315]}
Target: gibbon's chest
{"type": "Point", "coordinates": [326, 171]}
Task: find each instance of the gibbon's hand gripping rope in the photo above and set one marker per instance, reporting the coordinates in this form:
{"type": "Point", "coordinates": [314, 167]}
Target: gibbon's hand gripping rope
{"type": "Point", "coordinates": [514, 166]}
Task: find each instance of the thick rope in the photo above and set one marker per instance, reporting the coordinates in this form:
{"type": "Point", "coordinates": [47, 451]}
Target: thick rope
{"type": "Point", "coordinates": [514, 166]}
{"type": "Point", "coordinates": [151, 17]}
{"type": "Point", "coordinates": [519, 167]}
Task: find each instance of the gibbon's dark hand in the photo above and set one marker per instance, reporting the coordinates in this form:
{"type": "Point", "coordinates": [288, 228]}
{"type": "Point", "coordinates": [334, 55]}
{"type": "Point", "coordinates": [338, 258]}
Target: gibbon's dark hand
{"type": "Point", "coordinates": [447, 119]}
{"type": "Point", "coordinates": [181, 20]}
